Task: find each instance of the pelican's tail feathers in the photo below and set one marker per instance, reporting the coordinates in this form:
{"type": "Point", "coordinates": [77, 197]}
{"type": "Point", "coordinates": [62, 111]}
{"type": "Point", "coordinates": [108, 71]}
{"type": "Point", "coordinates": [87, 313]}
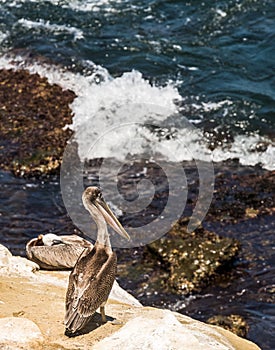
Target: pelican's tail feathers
{"type": "Point", "coordinates": [74, 322]}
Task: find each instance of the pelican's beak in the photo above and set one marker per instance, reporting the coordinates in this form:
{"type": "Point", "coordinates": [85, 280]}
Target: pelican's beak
{"type": "Point", "coordinates": [110, 217]}
{"type": "Point", "coordinates": [58, 241]}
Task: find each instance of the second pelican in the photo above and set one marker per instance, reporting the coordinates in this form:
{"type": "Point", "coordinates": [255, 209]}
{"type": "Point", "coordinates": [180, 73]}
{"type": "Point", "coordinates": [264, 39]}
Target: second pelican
{"type": "Point", "coordinates": [93, 276]}
{"type": "Point", "coordinates": [52, 252]}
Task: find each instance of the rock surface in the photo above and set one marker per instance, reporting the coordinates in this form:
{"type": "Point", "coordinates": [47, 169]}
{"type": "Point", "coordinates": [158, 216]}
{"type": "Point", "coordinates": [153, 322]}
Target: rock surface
{"type": "Point", "coordinates": [162, 330]}
{"type": "Point", "coordinates": [39, 297]}
{"type": "Point", "coordinates": [182, 262]}
{"type": "Point", "coordinates": [242, 196]}
{"type": "Point", "coordinates": [15, 265]}
{"type": "Point", "coordinates": [33, 114]}
{"type": "Point", "coordinates": [18, 331]}
{"type": "Point", "coordinates": [234, 323]}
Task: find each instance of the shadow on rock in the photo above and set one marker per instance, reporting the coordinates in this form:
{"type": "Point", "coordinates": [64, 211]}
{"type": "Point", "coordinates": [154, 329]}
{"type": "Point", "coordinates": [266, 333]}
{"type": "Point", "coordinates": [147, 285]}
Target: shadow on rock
{"type": "Point", "coordinates": [94, 323]}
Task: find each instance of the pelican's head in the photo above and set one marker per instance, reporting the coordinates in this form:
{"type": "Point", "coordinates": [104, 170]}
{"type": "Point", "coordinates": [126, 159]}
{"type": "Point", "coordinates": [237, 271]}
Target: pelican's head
{"type": "Point", "coordinates": [93, 201]}
{"type": "Point", "coordinates": [50, 239]}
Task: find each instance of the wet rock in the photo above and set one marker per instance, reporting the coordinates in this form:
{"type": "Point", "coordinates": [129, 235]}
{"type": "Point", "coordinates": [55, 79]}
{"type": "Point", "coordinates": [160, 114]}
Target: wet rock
{"type": "Point", "coordinates": [267, 293]}
{"type": "Point", "coordinates": [33, 114]}
{"type": "Point", "coordinates": [242, 195]}
{"type": "Point", "coordinates": [18, 331]}
{"type": "Point", "coordinates": [234, 323]}
{"type": "Point", "coordinates": [193, 260]}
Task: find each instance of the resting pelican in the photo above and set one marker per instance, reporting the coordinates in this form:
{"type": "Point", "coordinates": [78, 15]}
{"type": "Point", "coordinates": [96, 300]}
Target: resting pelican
{"type": "Point", "coordinates": [93, 276]}
{"type": "Point", "coordinates": [52, 252]}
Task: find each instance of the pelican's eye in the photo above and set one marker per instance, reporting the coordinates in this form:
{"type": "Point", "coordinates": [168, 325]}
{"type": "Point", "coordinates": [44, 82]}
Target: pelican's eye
{"type": "Point", "coordinates": [98, 193]}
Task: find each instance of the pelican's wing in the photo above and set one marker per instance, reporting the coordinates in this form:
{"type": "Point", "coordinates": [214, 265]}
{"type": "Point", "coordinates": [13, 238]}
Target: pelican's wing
{"type": "Point", "coordinates": [99, 288]}
{"type": "Point", "coordinates": [74, 275]}
{"type": "Point", "coordinates": [76, 240]}
{"type": "Point", "coordinates": [90, 284]}
{"type": "Point", "coordinates": [61, 256]}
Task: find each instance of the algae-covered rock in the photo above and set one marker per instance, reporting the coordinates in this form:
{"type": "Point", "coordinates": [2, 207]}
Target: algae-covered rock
{"type": "Point", "coordinates": [242, 195]}
{"type": "Point", "coordinates": [193, 259]}
{"type": "Point", "coordinates": [234, 323]}
{"type": "Point", "coordinates": [33, 114]}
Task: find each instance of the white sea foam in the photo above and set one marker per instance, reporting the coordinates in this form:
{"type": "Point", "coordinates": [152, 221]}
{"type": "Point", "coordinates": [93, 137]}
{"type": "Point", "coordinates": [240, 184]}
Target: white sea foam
{"type": "Point", "coordinates": [105, 107]}
{"type": "Point", "coordinates": [52, 27]}
{"type": "Point", "coordinates": [76, 5]}
{"type": "Point", "coordinates": [244, 148]}
{"type": "Point", "coordinates": [55, 75]}
{"type": "Point", "coordinates": [112, 118]}
{"type": "Point", "coordinates": [3, 36]}
{"type": "Point", "coordinates": [91, 5]}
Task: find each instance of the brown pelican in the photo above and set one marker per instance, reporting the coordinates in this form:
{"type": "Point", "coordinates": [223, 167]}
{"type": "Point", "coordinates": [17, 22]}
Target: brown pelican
{"type": "Point", "coordinates": [52, 252]}
{"type": "Point", "coordinates": [93, 276]}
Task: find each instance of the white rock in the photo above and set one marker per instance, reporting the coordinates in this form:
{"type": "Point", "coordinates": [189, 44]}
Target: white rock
{"type": "Point", "coordinates": [18, 330]}
{"type": "Point", "coordinates": [119, 294]}
{"type": "Point", "coordinates": [145, 328]}
{"type": "Point", "coordinates": [15, 265]}
{"type": "Point", "coordinates": [5, 256]}
{"type": "Point", "coordinates": [161, 332]}
{"type": "Point", "coordinates": [22, 266]}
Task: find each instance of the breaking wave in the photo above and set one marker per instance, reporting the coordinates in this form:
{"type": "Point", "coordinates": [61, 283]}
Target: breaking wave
{"type": "Point", "coordinates": [130, 115]}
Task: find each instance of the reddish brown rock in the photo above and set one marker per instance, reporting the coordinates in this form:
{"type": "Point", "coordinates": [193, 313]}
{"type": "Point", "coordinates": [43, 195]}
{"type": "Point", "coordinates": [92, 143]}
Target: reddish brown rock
{"type": "Point", "coordinates": [33, 113]}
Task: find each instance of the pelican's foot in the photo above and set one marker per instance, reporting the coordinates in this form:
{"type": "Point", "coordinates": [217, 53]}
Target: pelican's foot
{"type": "Point", "coordinates": [116, 322]}
{"type": "Point", "coordinates": [71, 334]}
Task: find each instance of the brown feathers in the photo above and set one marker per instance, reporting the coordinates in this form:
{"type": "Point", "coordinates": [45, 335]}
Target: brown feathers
{"type": "Point", "coordinates": [58, 256]}
{"type": "Point", "coordinates": [90, 284]}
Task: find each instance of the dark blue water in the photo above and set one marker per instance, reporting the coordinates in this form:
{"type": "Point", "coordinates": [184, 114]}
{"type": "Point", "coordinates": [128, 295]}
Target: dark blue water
{"type": "Point", "coordinates": [217, 60]}
{"type": "Point", "coordinates": [219, 55]}
{"type": "Point", "coordinates": [213, 51]}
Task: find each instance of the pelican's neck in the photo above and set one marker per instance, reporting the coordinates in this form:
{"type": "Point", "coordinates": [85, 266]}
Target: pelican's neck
{"type": "Point", "coordinates": [102, 233]}
{"type": "Point", "coordinates": [103, 237]}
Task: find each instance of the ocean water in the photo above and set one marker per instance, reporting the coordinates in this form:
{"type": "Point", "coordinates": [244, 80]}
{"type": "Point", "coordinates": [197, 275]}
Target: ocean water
{"type": "Point", "coordinates": [172, 80]}
{"type": "Point", "coordinates": [212, 64]}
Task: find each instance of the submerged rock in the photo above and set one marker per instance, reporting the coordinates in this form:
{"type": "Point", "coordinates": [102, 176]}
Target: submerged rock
{"type": "Point", "coordinates": [234, 323]}
{"type": "Point", "coordinates": [242, 195]}
{"type": "Point", "coordinates": [32, 117]}
{"type": "Point", "coordinates": [194, 259]}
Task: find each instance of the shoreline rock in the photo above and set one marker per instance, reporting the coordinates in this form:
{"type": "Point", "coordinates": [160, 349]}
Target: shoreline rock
{"type": "Point", "coordinates": [39, 297]}
{"type": "Point", "coordinates": [194, 259]}
{"type": "Point", "coordinates": [181, 263]}
{"type": "Point", "coordinates": [32, 120]}
{"type": "Point", "coordinates": [233, 323]}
